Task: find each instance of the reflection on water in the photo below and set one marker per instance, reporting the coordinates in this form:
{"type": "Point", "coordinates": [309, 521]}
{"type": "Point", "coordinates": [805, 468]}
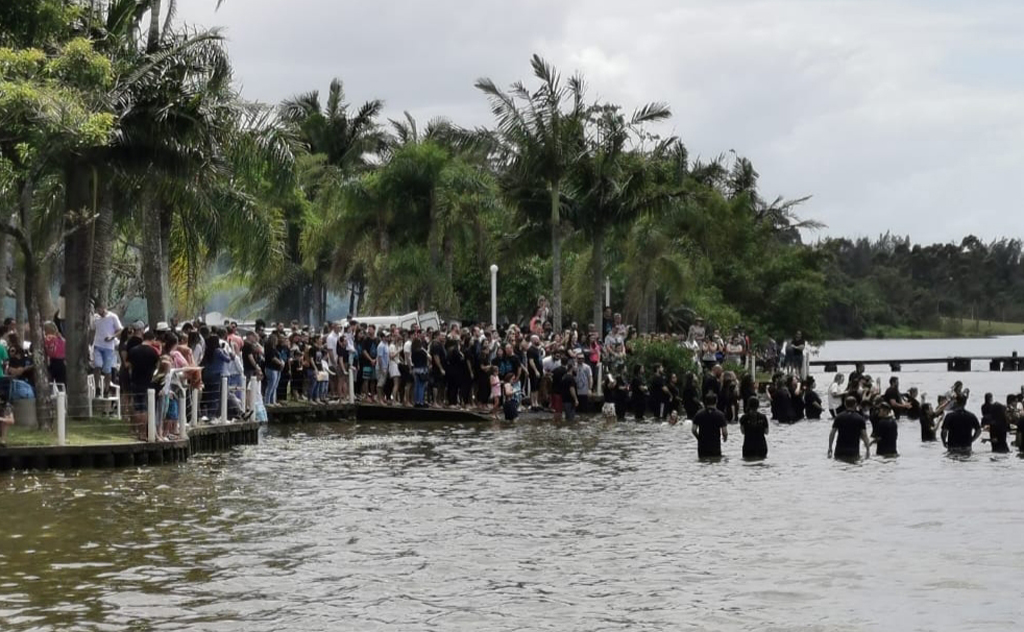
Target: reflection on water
{"type": "Point", "coordinates": [590, 527]}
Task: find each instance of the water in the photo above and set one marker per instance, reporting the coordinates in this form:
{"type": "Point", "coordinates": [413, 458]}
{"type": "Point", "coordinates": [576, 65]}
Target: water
{"type": "Point", "coordinates": [593, 527]}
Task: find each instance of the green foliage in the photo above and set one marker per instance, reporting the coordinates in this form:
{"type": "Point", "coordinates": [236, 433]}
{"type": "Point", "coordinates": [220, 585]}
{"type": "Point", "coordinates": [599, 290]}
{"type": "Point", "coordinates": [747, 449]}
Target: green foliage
{"type": "Point", "coordinates": [675, 358]}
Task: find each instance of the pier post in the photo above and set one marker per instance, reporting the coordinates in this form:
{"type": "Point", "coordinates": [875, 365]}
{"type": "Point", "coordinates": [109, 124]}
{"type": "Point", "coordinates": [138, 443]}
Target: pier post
{"type": "Point", "coordinates": [151, 415]}
{"type": "Point", "coordinates": [195, 407]}
{"type": "Point", "coordinates": [598, 380]}
{"type": "Point", "coordinates": [805, 367]}
{"type": "Point", "coordinates": [224, 399]}
{"type": "Point", "coordinates": [352, 383]}
{"type": "Point", "coordinates": [62, 416]}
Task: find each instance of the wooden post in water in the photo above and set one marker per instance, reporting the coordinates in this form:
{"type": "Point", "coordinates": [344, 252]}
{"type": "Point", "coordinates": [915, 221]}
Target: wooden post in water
{"type": "Point", "coordinates": [151, 415]}
{"type": "Point", "coordinates": [352, 383]}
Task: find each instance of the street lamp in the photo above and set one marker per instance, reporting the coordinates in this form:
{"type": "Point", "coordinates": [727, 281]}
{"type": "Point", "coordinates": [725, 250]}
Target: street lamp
{"type": "Point", "coordinates": [494, 296]}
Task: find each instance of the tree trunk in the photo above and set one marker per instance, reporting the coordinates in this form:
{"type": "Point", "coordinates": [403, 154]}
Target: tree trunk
{"type": "Point", "coordinates": [103, 250]}
{"type": "Point", "coordinates": [153, 275]}
{"type": "Point", "coordinates": [19, 293]}
{"type": "Point", "coordinates": [43, 298]}
{"type": "Point", "coordinates": [556, 258]}
{"type": "Point", "coordinates": [153, 41]}
{"type": "Point", "coordinates": [318, 303]}
{"type": "Point", "coordinates": [5, 254]}
{"type": "Point", "coordinates": [652, 310]}
{"type": "Point", "coordinates": [451, 301]}
{"type": "Point", "coordinates": [35, 285]}
{"type": "Point", "coordinates": [597, 265]}
{"type": "Point", "coordinates": [77, 286]}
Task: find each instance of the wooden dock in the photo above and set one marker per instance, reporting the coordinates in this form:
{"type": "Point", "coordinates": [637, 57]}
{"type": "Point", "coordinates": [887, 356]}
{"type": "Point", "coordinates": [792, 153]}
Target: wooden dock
{"type": "Point", "coordinates": [209, 438]}
{"type": "Point", "coordinates": [958, 364]}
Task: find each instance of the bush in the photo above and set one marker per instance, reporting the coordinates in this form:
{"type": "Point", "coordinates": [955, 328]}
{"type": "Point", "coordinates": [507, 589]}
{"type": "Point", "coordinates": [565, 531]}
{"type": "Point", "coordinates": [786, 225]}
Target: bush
{"type": "Point", "coordinates": [674, 358]}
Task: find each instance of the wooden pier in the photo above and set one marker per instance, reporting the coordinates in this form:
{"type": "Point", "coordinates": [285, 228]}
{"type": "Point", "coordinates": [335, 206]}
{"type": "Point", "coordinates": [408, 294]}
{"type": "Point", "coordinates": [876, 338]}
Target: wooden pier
{"type": "Point", "coordinates": [209, 438]}
{"type": "Point", "coordinates": [958, 364]}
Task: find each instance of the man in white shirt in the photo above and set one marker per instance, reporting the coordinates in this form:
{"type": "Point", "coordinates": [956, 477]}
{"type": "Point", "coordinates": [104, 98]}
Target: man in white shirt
{"type": "Point", "coordinates": [332, 358]}
{"type": "Point", "coordinates": [106, 327]}
{"type": "Point", "coordinates": [383, 365]}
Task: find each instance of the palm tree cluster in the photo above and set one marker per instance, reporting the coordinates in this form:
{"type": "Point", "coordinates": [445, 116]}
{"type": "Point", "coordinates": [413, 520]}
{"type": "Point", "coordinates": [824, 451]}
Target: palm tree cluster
{"type": "Point", "coordinates": [129, 163]}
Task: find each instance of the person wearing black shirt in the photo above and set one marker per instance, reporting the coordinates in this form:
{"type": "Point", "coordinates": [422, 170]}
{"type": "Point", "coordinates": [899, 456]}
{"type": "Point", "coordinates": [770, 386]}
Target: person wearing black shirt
{"type": "Point", "coordinates": [638, 393]}
{"type": "Point", "coordinates": [420, 372]}
{"type": "Point", "coordinates": [438, 360]}
{"type": "Point", "coordinates": [998, 426]}
{"type": "Point", "coordinates": [710, 428]}
{"type": "Point", "coordinates": [660, 396]}
{"type": "Point", "coordinates": [142, 362]}
{"type": "Point", "coordinates": [894, 398]}
{"type": "Point", "coordinates": [691, 396]}
{"type": "Point", "coordinates": [928, 425]}
{"type": "Point", "coordinates": [557, 403]}
{"type": "Point", "coordinates": [960, 428]}
{"type": "Point", "coordinates": [986, 407]}
{"type": "Point", "coordinates": [812, 401]}
{"type": "Point", "coordinates": [914, 412]}
{"type": "Point", "coordinates": [851, 429]}
{"type": "Point", "coordinates": [251, 357]}
{"type": "Point", "coordinates": [712, 382]}
{"type": "Point", "coordinates": [856, 375]}
{"type": "Point", "coordinates": [754, 426]}
{"type": "Point", "coordinates": [535, 370]}
{"type": "Point", "coordinates": [885, 432]}
{"type": "Point", "coordinates": [567, 389]}
{"type": "Point", "coordinates": [782, 404]}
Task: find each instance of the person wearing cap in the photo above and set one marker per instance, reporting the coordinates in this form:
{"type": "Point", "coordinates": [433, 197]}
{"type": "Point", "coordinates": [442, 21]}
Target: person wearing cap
{"type": "Point", "coordinates": [884, 431]}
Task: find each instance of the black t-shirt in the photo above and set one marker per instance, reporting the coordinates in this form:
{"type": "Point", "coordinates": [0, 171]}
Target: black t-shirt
{"type": "Point", "coordinates": [658, 388]}
{"type": "Point", "coordinates": [885, 431]}
{"type": "Point", "coordinates": [250, 359]}
{"type": "Point", "coordinates": [783, 405]}
{"type": "Point", "coordinates": [893, 394]}
{"type": "Point", "coordinates": [849, 426]}
{"type": "Point", "coordinates": [998, 428]}
{"type": "Point", "coordinates": [556, 378]}
{"type": "Point", "coordinates": [691, 401]}
{"type": "Point", "coordinates": [711, 384]}
{"type": "Point", "coordinates": [536, 356]}
{"type": "Point", "coordinates": [143, 360]}
{"type": "Point", "coordinates": [420, 358]}
{"type": "Point", "coordinates": [566, 385]}
{"type": "Point", "coordinates": [437, 356]}
{"type": "Point", "coordinates": [709, 423]}
{"type": "Point", "coordinates": [961, 426]}
{"type": "Point", "coordinates": [927, 428]}
{"type": "Point", "coordinates": [754, 426]}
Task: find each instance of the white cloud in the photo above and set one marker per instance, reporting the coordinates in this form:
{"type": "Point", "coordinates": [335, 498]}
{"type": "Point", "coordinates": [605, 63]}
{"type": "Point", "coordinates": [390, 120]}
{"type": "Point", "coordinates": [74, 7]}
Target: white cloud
{"type": "Point", "coordinates": [896, 115]}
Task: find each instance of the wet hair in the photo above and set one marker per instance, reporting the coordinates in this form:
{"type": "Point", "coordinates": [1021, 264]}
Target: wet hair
{"type": "Point", "coordinates": [752, 404]}
{"type": "Point", "coordinates": [710, 399]}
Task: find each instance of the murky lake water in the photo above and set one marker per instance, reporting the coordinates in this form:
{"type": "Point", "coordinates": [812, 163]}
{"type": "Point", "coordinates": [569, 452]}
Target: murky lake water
{"type": "Point", "coordinates": [593, 527]}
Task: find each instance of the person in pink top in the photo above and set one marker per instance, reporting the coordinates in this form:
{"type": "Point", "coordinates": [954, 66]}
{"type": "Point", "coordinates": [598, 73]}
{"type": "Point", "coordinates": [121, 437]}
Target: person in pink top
{"type": "Point", "coordinates": [53, 346]}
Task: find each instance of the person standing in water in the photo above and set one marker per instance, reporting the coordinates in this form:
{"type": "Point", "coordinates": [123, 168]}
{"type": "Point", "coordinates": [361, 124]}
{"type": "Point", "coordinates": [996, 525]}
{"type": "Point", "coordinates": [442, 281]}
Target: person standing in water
{"type": "Point", "coordinates": [710, 428]}
{"type": "Point", "coordinates": [850, 427]}
{"type": "Point", "coordinates": [928, 424]}
{"type": "Point", "coordinates": [960, 428]}
{"type": "Point", "coordinates": [885, 432]}
{"type": "Point", "coordinates": [998, 425]}
{"type": "Point", "coordinates": [754, 426]}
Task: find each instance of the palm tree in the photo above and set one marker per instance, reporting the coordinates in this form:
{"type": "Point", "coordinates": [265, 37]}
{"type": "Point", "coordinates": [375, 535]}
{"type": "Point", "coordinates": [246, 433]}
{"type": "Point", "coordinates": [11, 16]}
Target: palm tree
{"type": "Point", "coordinates": [539, 136]}
{"type": "Point", "coordinates": [347, 138]}
{"type": "Point", "coordinates": [610, 182]}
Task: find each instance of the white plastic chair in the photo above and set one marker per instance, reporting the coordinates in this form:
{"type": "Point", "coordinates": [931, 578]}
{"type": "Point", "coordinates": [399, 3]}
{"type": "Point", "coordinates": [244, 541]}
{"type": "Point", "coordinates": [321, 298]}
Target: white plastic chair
{"type": "Point", "coordinates": [107, 401]}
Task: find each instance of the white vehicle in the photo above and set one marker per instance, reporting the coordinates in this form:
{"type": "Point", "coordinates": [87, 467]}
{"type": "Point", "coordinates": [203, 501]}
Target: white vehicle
{"type": "Point", "coordinates": [426, 320]}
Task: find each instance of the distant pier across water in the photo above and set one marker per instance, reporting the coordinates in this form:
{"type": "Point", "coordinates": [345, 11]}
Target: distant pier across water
{"type": "Point", "coordinates": [955, 364]}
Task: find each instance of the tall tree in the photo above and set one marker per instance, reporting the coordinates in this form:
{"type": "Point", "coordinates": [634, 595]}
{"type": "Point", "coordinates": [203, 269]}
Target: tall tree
{"type": "Point", "coordinates": [539, 136]}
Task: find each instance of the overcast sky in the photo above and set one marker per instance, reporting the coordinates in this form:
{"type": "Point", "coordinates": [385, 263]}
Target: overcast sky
{"type": "Point", "coordinates": [896, 115]}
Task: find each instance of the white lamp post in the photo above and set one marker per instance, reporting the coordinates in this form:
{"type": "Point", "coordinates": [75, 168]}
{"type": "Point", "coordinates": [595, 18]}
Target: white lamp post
{"type": "Point", "coordinates": [607, 292]}
{"type": "Point", "coordinates": [494, 296]}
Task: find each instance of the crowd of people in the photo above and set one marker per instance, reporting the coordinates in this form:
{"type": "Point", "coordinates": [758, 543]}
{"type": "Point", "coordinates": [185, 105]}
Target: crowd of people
{"type": "Point", "coordinates": [500, 371]}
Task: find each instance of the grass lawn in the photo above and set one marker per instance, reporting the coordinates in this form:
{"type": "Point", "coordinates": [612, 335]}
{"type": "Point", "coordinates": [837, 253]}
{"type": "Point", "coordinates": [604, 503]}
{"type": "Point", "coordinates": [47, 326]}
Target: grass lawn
{"type": "Point", "coordinates": [95, 431]}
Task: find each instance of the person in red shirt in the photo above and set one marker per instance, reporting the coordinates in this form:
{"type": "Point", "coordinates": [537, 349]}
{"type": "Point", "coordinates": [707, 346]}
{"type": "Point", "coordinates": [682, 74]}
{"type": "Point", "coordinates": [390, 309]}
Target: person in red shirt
{"type": "Point", "coordinates": [53, 346]}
